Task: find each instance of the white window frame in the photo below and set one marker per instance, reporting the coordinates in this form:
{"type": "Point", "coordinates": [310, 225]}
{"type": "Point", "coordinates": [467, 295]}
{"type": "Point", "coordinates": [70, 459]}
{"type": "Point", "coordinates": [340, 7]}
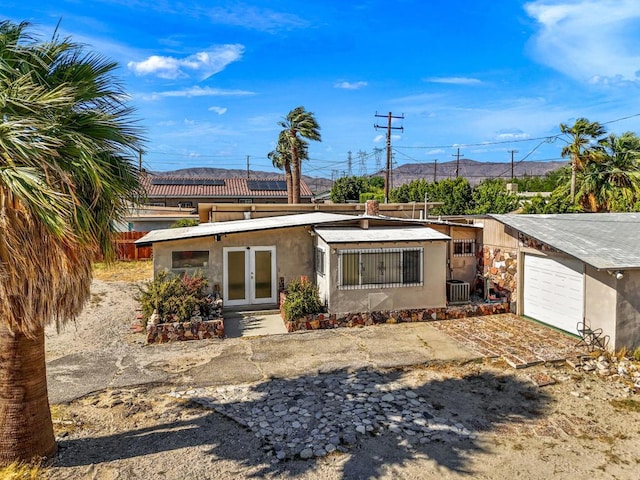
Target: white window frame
{"type": "Point", "coordinates": [463, 243]}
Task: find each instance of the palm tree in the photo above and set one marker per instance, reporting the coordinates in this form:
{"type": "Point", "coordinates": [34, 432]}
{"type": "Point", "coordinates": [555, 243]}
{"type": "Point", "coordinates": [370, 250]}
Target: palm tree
{"type": "Point", "coordinates": [298, 123]}
{"type": "Point", "coordinates": [281, 159]}
{"type": "Point", "coordinates": [66, 140]}
{"type": "Point", "coordinates": [581, 133]}
{"type": "Point", "coordinates": [611, 177]}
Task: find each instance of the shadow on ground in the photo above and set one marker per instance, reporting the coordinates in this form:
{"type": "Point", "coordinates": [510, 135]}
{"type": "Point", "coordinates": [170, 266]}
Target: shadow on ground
{"type": "Point", "coordinates": [448, 412]}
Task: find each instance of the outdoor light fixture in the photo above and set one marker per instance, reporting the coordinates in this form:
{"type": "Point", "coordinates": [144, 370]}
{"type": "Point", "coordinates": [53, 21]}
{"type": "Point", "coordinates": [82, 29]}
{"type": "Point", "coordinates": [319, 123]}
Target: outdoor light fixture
{"type": "Point", "coordinates": [618, 274]}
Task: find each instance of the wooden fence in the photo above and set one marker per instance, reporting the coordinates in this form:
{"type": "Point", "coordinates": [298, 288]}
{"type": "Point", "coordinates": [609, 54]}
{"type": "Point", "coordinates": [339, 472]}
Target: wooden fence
{"type": "Point", "coordinates": [126, 250]}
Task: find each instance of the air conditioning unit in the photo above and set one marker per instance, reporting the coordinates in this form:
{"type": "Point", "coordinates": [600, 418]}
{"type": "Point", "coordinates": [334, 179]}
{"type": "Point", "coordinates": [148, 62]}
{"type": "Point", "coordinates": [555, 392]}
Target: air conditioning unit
{"type": "Point", "coordinates": [457, 291]}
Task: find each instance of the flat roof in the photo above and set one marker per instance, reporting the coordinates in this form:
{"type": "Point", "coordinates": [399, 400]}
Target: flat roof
{"type": "Point", "coordinates": [606, 241]}
{"type": "Point", "coordinates": [378, 234]}
{"type": "Point", "coordinates": [239, 226]}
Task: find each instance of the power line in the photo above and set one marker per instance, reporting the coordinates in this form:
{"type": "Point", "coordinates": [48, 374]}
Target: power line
{"type": "Point", "coordinates": [389, 128]}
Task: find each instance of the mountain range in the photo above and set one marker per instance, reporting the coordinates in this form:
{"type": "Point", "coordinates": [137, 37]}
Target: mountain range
{"type": "Point", "coordinates": [475, 172]}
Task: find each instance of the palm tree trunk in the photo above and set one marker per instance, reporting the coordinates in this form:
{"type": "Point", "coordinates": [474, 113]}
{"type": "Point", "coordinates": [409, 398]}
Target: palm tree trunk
{"type": "Point", "coordinates": [289, 179]}
{"type": "Point", "coordinates": [574, 168]}
{"type": "Point", "coordinates": [26, 430]}
{"type": "Point", "coordinates": [296, 171]}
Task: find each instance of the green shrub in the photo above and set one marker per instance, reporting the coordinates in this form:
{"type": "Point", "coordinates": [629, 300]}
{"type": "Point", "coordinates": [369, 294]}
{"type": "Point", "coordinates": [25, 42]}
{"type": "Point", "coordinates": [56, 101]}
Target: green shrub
{"type": "Point", "coordinates": [173, 296]}
{"type": "Point", "coordinates": [185, 222]}
{"type": "Point", "coordinates": [302, 299]}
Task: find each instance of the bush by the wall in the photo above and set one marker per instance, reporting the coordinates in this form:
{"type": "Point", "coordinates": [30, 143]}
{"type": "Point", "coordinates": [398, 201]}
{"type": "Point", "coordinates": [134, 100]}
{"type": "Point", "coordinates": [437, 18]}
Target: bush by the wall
{"type": "Point", "coordinates": [174, 297]}
{"type": "Point", "coordinates": [302, 299]}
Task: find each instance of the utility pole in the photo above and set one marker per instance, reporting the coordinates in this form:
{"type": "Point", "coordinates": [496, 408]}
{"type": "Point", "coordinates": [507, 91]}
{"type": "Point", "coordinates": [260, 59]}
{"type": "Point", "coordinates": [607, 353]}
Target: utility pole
{"type": "Point", "coordinates": [387, 170]}
{"type": "Point", "coordinates": [435, 170]}
{"type": "Point", "coordinates": [457, 155]}
{"type": "Point", "coordinates": [512, 173]}
{"type": "Point", "coordinates": [248, 166]}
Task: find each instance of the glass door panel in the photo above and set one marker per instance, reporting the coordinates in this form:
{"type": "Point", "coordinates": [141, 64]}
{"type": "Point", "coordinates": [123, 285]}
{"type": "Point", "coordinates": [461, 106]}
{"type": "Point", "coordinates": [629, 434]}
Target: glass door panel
{"type": "Point", "coordinates": [236, 275]}
{"type": "Point", "coordinates": [263, 277]}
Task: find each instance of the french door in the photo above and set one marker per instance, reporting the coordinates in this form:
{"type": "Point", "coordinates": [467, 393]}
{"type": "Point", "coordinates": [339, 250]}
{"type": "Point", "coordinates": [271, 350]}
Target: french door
{"type": "Point", "coordinates": [249, 275]}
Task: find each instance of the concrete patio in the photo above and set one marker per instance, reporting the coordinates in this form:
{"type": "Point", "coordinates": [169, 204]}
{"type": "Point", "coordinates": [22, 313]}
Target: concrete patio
{"type": "Point", "coordinates": [520, 342]}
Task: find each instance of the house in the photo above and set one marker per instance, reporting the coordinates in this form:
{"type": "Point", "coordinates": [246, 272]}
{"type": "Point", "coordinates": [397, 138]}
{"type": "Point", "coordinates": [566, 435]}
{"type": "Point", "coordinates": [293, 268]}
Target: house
{"type": "Point", "coordinates": [188, 192]}
{"type": "Point", "coordinates": [144, 218]}
{"type": "Point", "coordinates": [569, 268]}
{"type": "Point", "coordinates": [360, 263]}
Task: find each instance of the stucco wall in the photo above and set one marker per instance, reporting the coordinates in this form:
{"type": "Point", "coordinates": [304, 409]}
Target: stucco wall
{"type": "Point", "coordinates": [294, 252]}
{"type": "Point", "coordinates": [600, 302]}
{"type": "Point", "coordinates": [431, 294]}
{"type": "Point", "coordinates": [628, 310]}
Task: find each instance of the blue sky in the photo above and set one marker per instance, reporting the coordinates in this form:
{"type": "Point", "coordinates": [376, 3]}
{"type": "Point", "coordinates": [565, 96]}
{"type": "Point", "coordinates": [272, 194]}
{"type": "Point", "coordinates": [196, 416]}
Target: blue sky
{"type": "Point", "coordinates": [211, 79]}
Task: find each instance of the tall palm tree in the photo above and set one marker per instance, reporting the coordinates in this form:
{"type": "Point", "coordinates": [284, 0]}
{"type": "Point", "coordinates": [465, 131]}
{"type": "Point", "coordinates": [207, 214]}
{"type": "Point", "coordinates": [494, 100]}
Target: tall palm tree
{"type": "Point", "coordinates": [299, 124]}
{"type": "Point", "coordinates": [581, 134]}
{"type": "Point", "coordinates": [611, 177]}
{"type": "Point", "coordinates": [281, 158]}
{"type": "Point", "coordinates": [66, 140]}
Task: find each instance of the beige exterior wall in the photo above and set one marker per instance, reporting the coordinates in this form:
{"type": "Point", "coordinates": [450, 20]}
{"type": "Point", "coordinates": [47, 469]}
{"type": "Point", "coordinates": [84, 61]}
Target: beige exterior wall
{"type": "Point", "coordinates": [600, 302]}
{"type": "Point", "coordinates": [432, 294]}
{"type": "Point", "coordinates": [628, 310]}
{"type": "Point", "coordinates": [294, 252]}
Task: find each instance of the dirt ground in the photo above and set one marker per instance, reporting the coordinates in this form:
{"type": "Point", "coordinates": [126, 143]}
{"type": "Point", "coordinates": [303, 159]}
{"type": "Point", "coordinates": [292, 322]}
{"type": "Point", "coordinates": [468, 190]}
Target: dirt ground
{"type": "Point", "coordinates": [581, 426]}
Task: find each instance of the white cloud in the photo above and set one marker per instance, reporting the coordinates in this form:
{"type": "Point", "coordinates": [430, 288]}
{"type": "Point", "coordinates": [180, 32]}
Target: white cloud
{"type": "Point", "coordinates": [255, 18]}
{"type": "Point", "coordinates": [350, 85]}
{"type": "Point", "coordinates": [199, 92]}
{"type": "Point", "coordinates": [218, 110]}
{"type": "Point", "coordinates": [589, 40]}
{"type": "Point", "coordinates": [202, 64]}
{"type": "Point", "coordinates": [454, 80]}
{"type": "Point", "coordinates": [378, 138]}
{"type": "Point", "coordinates": [512, 134]}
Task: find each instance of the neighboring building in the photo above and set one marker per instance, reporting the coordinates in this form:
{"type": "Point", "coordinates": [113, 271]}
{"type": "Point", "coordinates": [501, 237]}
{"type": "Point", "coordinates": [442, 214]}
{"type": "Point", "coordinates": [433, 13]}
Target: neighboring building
{"type": "Point", "coordinates": [145, 218]}
{"type": "Point", "coordinates": [189, 192]}
{"type": "Point", "coordinates": [569, 268]}
{"type": "Point", "coordinates": [359, 262]}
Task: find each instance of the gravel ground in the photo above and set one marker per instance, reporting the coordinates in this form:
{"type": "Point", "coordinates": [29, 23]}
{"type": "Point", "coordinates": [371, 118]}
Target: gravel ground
{"type": "Point", "coordinates": [501, 423]}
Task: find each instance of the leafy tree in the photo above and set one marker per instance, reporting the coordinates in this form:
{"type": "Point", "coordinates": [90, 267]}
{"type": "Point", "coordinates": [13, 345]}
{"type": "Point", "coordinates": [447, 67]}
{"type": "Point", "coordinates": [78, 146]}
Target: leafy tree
{"type": "Point", "coordinates": [347, 189]}
{"type": "Point", "coordinates": [455, 195]}
{"type": "Point", "coordinates": [491, 196]}
{"type": "Point", "coordinates": [558, 202]}
{"type": "Point", "coordinates": [185, 222]}
{"type": "Point", "coordinates": [66, 143]}
{"type": "Point", "coordinates": [546, 183]}
{"type": "Point", "coordinates": [581, 134]}
{"type": "Point", "coordinates": [298, 124]}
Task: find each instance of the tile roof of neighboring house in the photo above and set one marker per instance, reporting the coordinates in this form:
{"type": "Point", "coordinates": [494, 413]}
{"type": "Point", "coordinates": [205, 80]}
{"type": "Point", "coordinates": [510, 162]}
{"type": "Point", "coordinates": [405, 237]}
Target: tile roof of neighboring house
{"type": "Point", "coordinates": [239, 226]}
{"type": "Point", "coordinates": [379, 234]}
{"type": "Point", "coordinates": [208, 187]}
{"type": "Point", "coordinates": [606, 241]}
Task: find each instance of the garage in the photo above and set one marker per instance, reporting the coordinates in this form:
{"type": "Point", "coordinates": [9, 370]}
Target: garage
{"type": "Point", "coordinates": [553, 291]}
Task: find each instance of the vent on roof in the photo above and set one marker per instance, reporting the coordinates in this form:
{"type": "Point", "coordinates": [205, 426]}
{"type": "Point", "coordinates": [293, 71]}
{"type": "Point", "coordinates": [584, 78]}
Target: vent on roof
{"type": "Point", "coordinates": [188, 181]}
{"type": "Point", "coordinates": [270, 185]}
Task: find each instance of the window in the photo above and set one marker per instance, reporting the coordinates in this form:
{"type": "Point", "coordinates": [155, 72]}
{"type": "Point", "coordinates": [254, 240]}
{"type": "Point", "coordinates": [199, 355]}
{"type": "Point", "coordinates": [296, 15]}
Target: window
{"type": "Point", "coordinates": [393, 267]}
{"type": "Point", "coordinates": [245, 200]}
{"type": "Point", "coordinates": [190, 259]}
{"type": "Point", "coordinates": [156, 204]}
{"type": "Point", "coordinates": [319, 261]}
{"type": "Point", "coordinates": [464, 248]}
{"type": "Point", "coordinates": [185, 204]}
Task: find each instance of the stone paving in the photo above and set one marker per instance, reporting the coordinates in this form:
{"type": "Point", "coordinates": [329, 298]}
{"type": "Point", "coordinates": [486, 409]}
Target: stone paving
{"type": "Point", "coordinates": [314, 416]}
{"type": "Point", "coordinates": [518, 341]}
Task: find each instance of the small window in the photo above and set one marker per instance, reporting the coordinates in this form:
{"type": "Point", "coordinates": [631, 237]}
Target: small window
{"type": "Point", "coordinates": [190, 259]}
{"type": "Point", "coordinates": [320, 261]}
{"type": "Point", "coordinates": [464, 248]}
{"type": "Point", "coordinates": [156, 204]}
{"type": "Point", "coordinates": [185, 204]}
{"type": "Point", "coordinates": [245, 200]}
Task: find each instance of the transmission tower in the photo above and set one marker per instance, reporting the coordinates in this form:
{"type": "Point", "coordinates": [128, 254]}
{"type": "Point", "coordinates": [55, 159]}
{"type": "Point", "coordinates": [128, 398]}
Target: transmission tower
{"type": "Point", "coordinates": [362, 163]}
{"type": "Point", "coordinates": [349, 164]}
{"type": "Point", "coordinates": [377, 152]}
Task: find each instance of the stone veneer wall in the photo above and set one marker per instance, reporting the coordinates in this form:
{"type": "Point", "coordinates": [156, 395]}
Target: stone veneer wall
{"type": "Point", "coordinates": [169, 332]}
{"type": "Point", "coordinates": [325, 320]}
{"type": "Point", "coordinates": [501, 268]}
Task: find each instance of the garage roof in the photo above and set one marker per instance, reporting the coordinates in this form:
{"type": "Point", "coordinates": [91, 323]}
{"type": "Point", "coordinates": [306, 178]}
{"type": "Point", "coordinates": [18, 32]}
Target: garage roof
{"type": "Point", "coordinates": [238, 226]}
{"type": "Point", "coordinates": [379, 234]}
{"type": "Point", "coordinates": [606, 241]}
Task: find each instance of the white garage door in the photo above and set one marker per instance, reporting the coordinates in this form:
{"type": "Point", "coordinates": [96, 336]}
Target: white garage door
{"type": "Point", "coordinates": [553, 291]}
